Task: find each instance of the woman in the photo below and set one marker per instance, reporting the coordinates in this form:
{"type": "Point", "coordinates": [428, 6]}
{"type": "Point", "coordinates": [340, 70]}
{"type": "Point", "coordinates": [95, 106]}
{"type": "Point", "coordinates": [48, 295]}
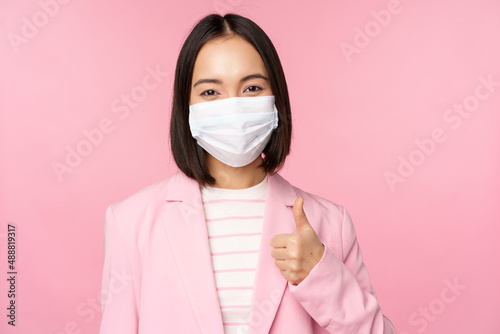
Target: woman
{"type": "Point", "coordinates": [227, 245]}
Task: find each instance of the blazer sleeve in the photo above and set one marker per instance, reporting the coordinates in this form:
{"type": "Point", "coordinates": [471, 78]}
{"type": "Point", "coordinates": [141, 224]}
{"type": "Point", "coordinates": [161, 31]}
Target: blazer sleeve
{"type": "Point", "coordinates": [119, 312]}
{"type": "Point", "coordinates": [338, 294]}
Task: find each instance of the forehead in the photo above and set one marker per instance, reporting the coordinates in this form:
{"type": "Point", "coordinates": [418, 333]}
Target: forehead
{"type": "Point", "coordinates": [232, 56]}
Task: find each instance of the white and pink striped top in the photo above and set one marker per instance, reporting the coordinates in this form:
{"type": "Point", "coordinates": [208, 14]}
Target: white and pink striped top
{"type": "Point", "coordinates": [234, 219]}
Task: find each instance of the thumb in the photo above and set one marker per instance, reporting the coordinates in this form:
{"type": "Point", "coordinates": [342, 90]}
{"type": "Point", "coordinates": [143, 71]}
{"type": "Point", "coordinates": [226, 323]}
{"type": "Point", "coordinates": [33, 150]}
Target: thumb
{"type": "Point", "coordinates": [299, 215]}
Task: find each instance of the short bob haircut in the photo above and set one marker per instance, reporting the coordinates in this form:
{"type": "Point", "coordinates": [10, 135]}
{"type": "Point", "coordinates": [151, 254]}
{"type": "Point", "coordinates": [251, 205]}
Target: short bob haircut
{"type": "Point", "coordinates": [188, 155]}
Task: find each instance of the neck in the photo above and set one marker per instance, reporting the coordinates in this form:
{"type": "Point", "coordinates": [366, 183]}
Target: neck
{"type": "Point", "coordinates": [228, 177]}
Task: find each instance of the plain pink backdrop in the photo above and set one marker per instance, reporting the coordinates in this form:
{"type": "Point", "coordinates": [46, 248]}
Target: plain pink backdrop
{"type": "Point", "coordinates": [368, 80]}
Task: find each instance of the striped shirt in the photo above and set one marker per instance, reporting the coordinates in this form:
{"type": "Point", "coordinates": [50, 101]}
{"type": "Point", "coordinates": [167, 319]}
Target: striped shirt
{"type": "Point", "coordinates": [234, 219]}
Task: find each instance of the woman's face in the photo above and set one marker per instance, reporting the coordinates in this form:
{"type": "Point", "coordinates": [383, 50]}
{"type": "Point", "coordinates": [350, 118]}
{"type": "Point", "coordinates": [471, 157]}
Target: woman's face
{"type": "Point", "coordinates": [228, 67]}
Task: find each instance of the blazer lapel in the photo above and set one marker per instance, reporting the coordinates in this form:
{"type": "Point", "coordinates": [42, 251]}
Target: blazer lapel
{"type": "Point", "coordinates": [185, 227]}
{"type": "Point", "coordinates": [186, 230]}
{"type": "Point", "coordinates": [269, 283]}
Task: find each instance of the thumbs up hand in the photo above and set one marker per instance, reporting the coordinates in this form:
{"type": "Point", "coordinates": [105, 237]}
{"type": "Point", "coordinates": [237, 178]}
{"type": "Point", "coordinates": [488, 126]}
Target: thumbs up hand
{"type": "Point", "coordinates": [297, 253]}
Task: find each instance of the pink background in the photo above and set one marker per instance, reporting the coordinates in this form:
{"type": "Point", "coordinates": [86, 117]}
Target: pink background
{"type": "Point", "coordinates": [356, 116]}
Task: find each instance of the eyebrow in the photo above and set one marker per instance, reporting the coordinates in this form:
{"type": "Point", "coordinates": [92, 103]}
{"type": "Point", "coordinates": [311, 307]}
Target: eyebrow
{"type": "Point", "coordinates": [217, 81]}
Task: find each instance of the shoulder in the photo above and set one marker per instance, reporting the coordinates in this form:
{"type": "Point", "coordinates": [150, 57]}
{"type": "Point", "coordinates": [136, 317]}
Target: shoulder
{"type": "Point", "coordinates": [330, 220]}
{"type": "Point", "coordinates": [320, 206]}
{"type": "Point", "coordinates": [145, 200]}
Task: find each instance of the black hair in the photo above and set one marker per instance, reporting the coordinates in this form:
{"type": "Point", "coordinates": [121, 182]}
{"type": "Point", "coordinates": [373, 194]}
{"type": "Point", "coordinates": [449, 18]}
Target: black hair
{"type": "Point", "coordinates": [188, 155]}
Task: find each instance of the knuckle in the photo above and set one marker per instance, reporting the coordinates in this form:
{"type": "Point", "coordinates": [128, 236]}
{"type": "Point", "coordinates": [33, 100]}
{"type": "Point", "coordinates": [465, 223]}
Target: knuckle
{"type": "Point", "coordinates": [294, 278]}
{"type": "Point", "coordinates": [293, 253]}
{"type": "Point", "coordinates": [294, 266]}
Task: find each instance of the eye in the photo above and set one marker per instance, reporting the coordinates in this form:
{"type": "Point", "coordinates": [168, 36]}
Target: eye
{"type": "Point", "coordinates": [254, 90]}
{"type": "Point", "coordinates": [207, 91]}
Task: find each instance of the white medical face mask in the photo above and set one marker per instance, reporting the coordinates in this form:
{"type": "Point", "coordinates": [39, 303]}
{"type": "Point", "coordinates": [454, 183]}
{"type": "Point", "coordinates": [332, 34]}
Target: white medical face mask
{"type": "Point", "coordinates": [234, 130]}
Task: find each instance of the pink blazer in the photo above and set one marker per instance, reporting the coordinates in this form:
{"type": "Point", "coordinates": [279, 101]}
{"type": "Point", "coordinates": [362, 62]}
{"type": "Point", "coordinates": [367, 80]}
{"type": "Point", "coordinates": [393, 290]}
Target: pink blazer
{"type": "Point", "coordinates": [158, 275]}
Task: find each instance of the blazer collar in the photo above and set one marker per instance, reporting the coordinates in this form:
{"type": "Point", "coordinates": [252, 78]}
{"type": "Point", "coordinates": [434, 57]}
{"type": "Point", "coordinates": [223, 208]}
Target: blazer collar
{"type": "Point", "coordinates": [185, 189]}
{"type": "Point", "coordinates": [185, 229]}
